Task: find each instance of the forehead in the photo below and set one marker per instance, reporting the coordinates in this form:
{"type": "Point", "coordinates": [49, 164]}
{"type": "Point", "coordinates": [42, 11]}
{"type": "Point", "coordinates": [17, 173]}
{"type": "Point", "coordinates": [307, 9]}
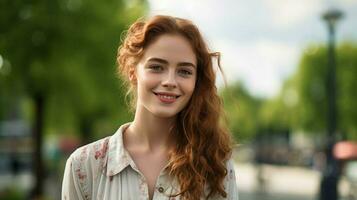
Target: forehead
{"type": "Point", "coordinates": [173, 48]}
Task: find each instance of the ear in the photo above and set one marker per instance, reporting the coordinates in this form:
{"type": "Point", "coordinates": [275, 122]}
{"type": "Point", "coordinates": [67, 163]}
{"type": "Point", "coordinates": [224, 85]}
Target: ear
{"type": "Point", "coordinates": [132, 75]}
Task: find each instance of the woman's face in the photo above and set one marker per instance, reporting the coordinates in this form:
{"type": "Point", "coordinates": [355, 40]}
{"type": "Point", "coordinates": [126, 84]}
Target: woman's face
{"type": "Point", "coordinates": [165, 76]}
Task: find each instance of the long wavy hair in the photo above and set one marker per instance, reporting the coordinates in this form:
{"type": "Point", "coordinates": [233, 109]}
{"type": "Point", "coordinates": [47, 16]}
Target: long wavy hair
{"type": "Point", "coordinates": [203, 142]}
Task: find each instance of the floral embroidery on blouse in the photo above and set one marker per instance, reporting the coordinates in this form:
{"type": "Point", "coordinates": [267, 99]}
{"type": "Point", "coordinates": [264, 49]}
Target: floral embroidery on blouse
{"type": "Point", "coordinates": [102, 152]}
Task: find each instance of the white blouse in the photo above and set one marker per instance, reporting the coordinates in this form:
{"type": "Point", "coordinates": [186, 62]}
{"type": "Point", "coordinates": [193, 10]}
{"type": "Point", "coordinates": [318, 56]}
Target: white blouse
{"type": "Point", "coordinates": [104, 170]}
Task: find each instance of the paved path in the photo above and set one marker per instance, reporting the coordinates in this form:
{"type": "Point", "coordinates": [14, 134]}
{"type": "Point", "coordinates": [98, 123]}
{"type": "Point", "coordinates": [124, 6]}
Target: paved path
{"type": "Point", "coordinates": [279, 183]}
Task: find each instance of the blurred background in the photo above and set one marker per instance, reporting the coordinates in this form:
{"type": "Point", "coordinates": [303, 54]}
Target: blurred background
{"type": "Point", "coordinates": [290, 97]}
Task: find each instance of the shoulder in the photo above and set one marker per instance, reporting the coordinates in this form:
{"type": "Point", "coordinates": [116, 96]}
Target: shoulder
{"type": "Point", "coordinates": [89, 161]}
{"type": "Point", "coordinates": [93, 158]}
{"type": "Point", "coordinates": [82, 168]}
{"type": "Point", "coordinates": [91, 154]}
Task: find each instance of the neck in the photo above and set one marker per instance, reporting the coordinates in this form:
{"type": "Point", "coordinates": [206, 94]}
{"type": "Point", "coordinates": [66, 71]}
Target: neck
{"type": "Point", "coordinates": [149, 133]}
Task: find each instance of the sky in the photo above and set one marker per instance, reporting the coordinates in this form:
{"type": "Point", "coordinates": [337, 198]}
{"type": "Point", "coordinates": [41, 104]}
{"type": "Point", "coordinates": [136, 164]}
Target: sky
{"type": "Point", "coordinates": [261, 41]}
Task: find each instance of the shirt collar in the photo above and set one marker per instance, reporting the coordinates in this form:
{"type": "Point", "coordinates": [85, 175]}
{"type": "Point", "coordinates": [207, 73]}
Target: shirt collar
{"type": "Point", "coordinates": [118, 157]}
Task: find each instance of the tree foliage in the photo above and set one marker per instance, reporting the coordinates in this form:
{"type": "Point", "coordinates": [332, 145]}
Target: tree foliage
{"type": "Point", "coordinates": [241, 111]}
{"type": "Point", "coordinates": [302, 101]}
{"type": "Point", "coordinates": [65, 51]}
{"type": "Point", "coordinates": [277, 113]}
{"type": "Point", "coordinates": [59, 58]}
{"type": "Point", "coordinates": [312, 90]}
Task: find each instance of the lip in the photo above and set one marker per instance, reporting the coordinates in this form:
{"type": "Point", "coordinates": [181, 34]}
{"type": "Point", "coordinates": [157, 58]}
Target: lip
{"type": "Point", "coordinates": [163, 99]}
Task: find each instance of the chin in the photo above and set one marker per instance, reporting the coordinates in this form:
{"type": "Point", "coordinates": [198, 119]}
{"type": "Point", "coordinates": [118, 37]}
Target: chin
{"type": "Point", "coordinates": [164, 114]}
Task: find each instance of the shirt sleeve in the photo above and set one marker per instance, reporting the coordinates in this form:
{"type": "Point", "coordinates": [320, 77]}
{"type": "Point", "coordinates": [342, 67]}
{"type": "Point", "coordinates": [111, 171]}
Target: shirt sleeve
{"type": "Point", "coordinates": [70, 186]}
{"type": "Point", "coordinates": [231, 184]}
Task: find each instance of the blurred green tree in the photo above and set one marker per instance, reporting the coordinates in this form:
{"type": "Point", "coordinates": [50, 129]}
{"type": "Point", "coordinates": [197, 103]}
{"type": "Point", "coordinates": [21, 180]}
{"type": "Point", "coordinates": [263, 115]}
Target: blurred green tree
{"type": "Point", "coordinates": [60, 57]}
{"type": "Point", "coordinates": [301, 103]}
{"type": "Point", "coordinates": [278, 112]}
{"type": "Point", "coordinates": [311, 79]}
{"type": "Point", "coordinates": [241, 111]}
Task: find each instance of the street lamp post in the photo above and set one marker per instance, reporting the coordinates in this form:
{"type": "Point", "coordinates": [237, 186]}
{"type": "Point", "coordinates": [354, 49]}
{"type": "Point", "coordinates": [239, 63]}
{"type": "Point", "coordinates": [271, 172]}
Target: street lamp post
{"type": "Point", "coordinates": [328, 187]}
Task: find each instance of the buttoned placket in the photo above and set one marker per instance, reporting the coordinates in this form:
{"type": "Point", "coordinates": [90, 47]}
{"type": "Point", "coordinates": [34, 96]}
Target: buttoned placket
{"type": "Point", "coordinates": [160, 187]}
{"type": "Point", "coordinates": [143, 187]}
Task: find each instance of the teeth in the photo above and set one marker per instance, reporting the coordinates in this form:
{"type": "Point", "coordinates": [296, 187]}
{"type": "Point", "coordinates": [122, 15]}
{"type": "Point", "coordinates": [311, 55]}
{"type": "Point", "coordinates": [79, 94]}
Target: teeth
{"type": "Point", "coordinates": [167, 97]}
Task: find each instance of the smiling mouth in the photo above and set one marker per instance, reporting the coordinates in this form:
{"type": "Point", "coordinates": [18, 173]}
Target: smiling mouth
{"type": "Point", "coordinates": [166, 96]}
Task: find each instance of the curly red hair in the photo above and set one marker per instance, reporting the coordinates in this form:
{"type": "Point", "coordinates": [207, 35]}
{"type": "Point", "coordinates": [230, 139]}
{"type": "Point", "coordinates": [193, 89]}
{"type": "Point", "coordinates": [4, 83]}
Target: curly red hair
{"type": "Point", "coordinates": [203, 142]}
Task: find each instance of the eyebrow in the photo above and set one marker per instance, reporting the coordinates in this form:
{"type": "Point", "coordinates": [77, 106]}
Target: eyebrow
{"type": "Point", "coordinates": [160, 60]}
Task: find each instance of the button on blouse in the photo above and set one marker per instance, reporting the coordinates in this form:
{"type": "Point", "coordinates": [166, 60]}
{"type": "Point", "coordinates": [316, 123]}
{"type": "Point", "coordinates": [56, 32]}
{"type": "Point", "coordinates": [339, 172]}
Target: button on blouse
{"type": "Point", "coordinates": [161, 189]}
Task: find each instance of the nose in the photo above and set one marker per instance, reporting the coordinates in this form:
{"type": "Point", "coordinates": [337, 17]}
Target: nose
{"type": "Point", "coordinates": [170, 80]}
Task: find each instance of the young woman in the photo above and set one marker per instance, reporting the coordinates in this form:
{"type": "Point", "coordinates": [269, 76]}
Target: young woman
{"type": "Point", "coordinates": [176, 147]}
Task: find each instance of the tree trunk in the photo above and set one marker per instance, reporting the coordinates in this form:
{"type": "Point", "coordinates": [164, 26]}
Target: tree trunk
{"type": "Point", "coordinates": [86, 125]}
{"type": "Point", "coordinates": [37, 132]}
